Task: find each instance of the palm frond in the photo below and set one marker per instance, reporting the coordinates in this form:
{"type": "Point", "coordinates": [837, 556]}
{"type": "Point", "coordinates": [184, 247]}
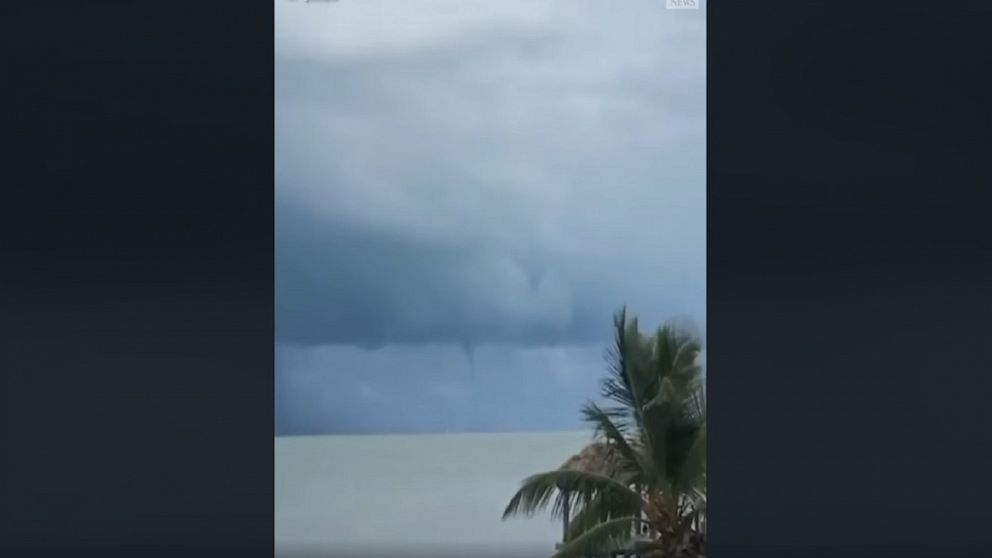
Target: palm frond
{"type": "Point", "coordinates": [656, 439]}
{"type": "Point", "coordinates": [609, 535]}
{"type": "Point", "coordinates": [616, 384]}
{"type": "Point", "coordinates": [689, 472]}
{"type": "Point", "coordinates": [600, 508]}
{"type": "Point", "coordinates": [696, 400]}
{"type": "Point", "coordinates": [659, 416]}
{"type": "Point", "coordinates": [675, 353]}
{"type": "Point", "coordinates": [605, 426]}
{"type": "Point", "coordinates": [537, 491]}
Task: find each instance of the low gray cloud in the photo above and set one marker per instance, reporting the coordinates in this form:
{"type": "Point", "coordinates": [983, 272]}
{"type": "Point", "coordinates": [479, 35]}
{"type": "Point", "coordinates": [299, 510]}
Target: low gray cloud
{"type": "Point", "coordinates": [493, 175]}
{"type": "Point", "coordinates": [340, 285]}
{"type": "Point", "coordinates": [431, 388]}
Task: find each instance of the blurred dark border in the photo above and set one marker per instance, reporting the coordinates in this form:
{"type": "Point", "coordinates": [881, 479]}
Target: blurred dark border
{"type": "Point", "coordinates": [849, 278]}
{"type": "Point", "coordinates": [136, 406]}
{"type": "Point", "coordinates": [850, 285]}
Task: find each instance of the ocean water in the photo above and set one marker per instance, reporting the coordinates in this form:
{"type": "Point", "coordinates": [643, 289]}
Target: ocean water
{"type": "Point", "coordinates": [425, 495]}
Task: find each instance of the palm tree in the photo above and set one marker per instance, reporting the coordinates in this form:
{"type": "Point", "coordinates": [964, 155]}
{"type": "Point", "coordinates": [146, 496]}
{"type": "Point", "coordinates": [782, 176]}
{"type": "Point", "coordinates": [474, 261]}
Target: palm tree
{"type": "Point", "coordinates": [653, 500]}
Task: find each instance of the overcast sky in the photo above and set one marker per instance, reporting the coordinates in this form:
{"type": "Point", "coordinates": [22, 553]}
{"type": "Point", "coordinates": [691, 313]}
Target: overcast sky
{"type": "Point", "coordinates": [465, 192]}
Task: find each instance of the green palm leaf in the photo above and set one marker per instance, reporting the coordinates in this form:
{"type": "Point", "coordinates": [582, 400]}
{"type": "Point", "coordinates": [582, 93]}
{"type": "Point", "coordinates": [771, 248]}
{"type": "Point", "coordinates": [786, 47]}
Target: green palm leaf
{"type": "Point", "coordinates": [691, 469]}
{"type": "Point", "coordinates": [601, 508]}
{"type": "Point", "coordinates": [537, 491]}
{"type": "Point", "coordinates": [609, 535]}
{"type": "Point", "coordinates": [606, 428]}
{"type": "Point", "coordinates": [654, 473]}
{"type": "Point", "coordinates": [616, 384]}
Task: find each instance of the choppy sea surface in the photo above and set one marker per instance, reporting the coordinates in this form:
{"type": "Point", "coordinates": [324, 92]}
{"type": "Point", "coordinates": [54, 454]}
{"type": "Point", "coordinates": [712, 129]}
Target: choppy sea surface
{"type": "Point", "coordinates": [434, 495]}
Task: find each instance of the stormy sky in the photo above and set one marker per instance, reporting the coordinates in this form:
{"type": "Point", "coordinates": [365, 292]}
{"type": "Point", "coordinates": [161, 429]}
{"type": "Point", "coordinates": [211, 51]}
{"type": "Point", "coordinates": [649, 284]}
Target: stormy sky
{"type": "Point", "coordinates": [465, 192]}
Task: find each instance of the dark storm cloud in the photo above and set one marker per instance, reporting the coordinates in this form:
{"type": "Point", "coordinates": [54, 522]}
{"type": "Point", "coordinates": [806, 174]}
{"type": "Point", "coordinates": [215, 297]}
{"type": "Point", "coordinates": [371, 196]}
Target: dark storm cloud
{"type": "Point", "coordinates": [495, 187]}
{"type": "Point", "coordinates": [473, 184]}
{"type": "Point", "coordinates": [370, 288]}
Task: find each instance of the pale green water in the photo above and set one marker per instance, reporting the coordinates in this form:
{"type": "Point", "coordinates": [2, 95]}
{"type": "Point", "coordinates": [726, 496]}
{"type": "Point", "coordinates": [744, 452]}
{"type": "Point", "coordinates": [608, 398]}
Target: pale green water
{"type": "Point", "coordinates": [434, 494]}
